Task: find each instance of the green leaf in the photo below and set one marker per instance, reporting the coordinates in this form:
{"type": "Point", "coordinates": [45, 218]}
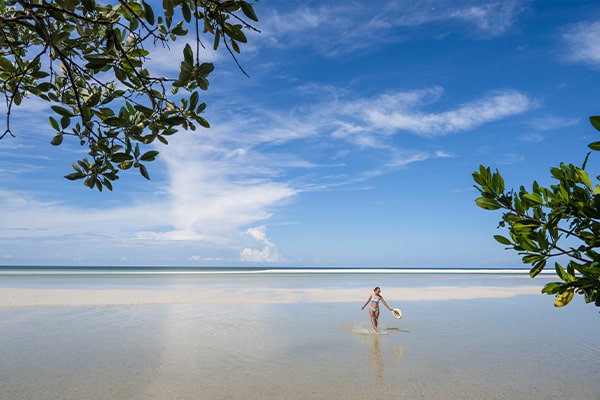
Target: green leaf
{"type": "Point", "coordinates": [57, 140]}
{"type": "Point", "coordinates": [144, 172]}
{"type": "Point", "coordinates": [235, 46]}
{"type": "Point", "coordinates": [193, 100]}
{"type": "Point", "coordinates": [203, 122]}
{"type": "Point", "coordinates": [75, 176]}
{"type": "Point", "coordinates": [89, 5]}
{"type": "Point", "coordinates": [584, 178]}
{"type": "Point", "coordinates": [206, 68]}
{"type": "Point", "coordinates": [144, 110]}
{"type": "Point", "coordinates": [217, 40]}
{"type": "Point", "coordinates": [235, 33]}
{"type": "Point", "coordinates": [136, 8]}
{"type": "Point", "coordinates": [594, 146]}
{"type": "Point", "coordinates": [149, 155]}
{"type": "Point", "coordinates": [54, 124]}
{"type": "Point", "coordinates": [537, 268]}
{"type": "Point", "coordinates": [564, 274]}
{"type": "Point", "coordinates": [188, 55]}
{"type": "Point", "coordinates": [595, 120]}
{"type": "Point", "coordinates": [125, 165]}
{"type": "Point", "coordinates": [487, 204]}
{"type": "Point", "coordinates": [62, 111]}
{"type": "Point", "coordinates": [65, 122]}
{"type": "Point", "coordinates": [560, 271]}
{"type": "Point", "coordinates": [120, 157]}
{"type": "Point", "coordinates": [186, 12]}
{"type": "Point", "coordinates": [248, 11]}
{"type": "Point", "coordinates": [534, 198]}
{"type": "Point", "coordinates": [6, 65]}
{"type": "Point", "coordinates": [552, 287]}
{"type": "Point", "coordinates": [502, 240]}
{"type": "Point", "coordinates": [107, 184]}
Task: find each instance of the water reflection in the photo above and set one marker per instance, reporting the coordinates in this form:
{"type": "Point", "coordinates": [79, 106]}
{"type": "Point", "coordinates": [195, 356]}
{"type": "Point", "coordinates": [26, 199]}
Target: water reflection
{"type": "Point", "coordinates": [377, 356]}
{"type": "Point", "coordinates": [376, 359]}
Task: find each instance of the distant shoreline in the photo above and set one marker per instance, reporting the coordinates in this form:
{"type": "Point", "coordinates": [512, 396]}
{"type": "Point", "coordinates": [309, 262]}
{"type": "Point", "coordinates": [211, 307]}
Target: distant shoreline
{"type": "Point", "coordinates": [10, 270]}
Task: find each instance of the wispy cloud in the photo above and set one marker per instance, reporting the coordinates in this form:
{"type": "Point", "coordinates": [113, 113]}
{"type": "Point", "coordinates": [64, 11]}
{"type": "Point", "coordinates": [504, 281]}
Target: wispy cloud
{"type": "Point", "coordinates": [355, 26]}
{"type": "Point", "coordinates": [394, 113]}
{"type": "Point", "coordinates": [492, 18]}
{"type": "Point", "coordinates": [551, 122]}
{"type": "Point", "coordinates": [582, 43]}
{"type": "Point", "coordinates": [44, 219]}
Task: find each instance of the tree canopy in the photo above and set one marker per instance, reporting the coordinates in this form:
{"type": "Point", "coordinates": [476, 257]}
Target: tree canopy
{"type": "Point", "coordinates": [87, 59]}
{"type": "Point", "coordinates": [544, 223]}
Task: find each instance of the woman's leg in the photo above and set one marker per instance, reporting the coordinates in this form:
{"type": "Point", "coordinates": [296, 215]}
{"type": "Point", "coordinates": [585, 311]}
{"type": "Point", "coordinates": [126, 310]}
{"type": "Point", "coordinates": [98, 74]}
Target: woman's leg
{"type": "Point", "coordinates": [374, 317]}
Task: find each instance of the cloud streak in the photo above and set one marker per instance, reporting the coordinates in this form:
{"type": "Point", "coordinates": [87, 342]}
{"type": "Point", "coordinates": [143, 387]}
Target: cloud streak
{"type": "Point", "coordinates": [394, 113]}
{"type": "Point", "coordinates": [360, 26]}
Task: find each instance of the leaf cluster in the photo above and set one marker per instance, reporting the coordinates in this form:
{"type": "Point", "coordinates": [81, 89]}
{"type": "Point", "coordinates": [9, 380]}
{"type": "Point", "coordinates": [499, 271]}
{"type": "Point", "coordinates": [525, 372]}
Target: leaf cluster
{"type": "Point", "coordinates": [87, 59]}
{"type": "Point", "coordinates": [562, 220]}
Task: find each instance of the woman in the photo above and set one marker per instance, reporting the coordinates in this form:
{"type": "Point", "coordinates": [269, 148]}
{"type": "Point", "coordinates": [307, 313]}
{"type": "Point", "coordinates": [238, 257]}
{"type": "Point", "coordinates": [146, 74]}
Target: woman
{"type": "Point", "coordinates": [374, 299]}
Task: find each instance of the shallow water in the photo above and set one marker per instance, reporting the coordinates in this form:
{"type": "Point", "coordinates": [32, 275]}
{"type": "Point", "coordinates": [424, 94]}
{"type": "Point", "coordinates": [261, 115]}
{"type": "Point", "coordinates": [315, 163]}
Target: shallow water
{"type": "Point", "coordinates": [507, 348]}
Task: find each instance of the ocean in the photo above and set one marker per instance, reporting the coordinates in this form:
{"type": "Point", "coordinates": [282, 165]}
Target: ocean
{"type": "Point", "coordinates": [160, 333]}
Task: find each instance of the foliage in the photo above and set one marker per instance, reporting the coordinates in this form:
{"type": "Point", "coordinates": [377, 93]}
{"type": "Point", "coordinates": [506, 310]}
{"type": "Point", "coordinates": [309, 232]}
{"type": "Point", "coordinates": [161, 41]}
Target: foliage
{"type": "Point", "coordinates": [560, 221]}
{"type": "Point", "coordinates": [87, 60]}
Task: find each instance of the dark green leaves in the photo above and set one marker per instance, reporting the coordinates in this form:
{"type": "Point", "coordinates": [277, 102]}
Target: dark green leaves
{"type": "Point", "coordinates": [98, 89]}
{"type": "Point", "coordinates": [560, 221]}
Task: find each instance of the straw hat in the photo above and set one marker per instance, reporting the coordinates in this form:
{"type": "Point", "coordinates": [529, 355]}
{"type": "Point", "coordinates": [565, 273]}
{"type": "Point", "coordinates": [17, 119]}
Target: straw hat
{"type": "Point", "coordinates": [397, 313]}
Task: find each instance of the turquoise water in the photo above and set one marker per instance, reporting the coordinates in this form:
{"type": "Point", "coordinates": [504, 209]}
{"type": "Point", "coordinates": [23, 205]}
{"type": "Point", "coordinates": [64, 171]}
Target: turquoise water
{"type": "Point", "coordinates": [501, 348]}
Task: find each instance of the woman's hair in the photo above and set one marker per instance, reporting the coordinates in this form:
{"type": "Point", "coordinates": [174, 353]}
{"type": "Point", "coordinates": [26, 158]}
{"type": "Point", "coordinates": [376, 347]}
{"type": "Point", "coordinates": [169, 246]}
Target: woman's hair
{"type": "Point", "coordinates": [377, 287]}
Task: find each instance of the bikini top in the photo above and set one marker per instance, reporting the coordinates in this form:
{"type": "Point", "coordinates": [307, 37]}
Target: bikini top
{"type": "Point", "coordinates": [376, 301]}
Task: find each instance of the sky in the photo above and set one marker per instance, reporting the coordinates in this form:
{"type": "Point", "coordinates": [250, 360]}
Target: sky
{"type": "Point", "coordinates": [351, 143]}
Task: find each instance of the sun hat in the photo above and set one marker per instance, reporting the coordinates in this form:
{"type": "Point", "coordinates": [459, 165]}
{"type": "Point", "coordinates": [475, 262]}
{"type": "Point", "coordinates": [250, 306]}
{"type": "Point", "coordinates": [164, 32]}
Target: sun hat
{"type": "Point", "coordinates": [397, 313]}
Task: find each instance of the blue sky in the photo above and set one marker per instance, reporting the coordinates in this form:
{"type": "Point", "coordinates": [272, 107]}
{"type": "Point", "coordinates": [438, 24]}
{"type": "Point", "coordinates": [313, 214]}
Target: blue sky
{"type": "Point", "coordinates": [352, 143]}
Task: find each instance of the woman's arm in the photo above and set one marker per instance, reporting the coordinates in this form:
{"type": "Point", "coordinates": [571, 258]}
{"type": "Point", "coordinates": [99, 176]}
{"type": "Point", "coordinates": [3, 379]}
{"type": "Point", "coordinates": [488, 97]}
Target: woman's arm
{"type": "Point", "coordinates": [367, 302]}
{"type": "Point", "coordinates": [385, 304]}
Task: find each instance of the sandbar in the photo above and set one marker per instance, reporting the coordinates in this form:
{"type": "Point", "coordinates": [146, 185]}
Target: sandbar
{"type": "Point", "coordinates": [66, 297]}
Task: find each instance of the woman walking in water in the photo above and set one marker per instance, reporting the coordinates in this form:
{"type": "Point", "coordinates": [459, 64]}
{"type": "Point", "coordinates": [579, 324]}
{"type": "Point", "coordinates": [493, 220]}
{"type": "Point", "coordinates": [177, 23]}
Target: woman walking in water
{"type": "Point", "coordinates": [374, 299]}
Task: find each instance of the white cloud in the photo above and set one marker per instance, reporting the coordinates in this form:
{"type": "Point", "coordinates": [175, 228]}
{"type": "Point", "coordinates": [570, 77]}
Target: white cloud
{"type": "Point", "coordinates": [395, 112]}
{"type": "Point", "coordinates": [269, 251]}
{"type": "Point", "coordinates": [215, 190]}
{"type": "Point", "coordinates": [444, 154]}
{"type": "Point", "coordinates": [582, 43]}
